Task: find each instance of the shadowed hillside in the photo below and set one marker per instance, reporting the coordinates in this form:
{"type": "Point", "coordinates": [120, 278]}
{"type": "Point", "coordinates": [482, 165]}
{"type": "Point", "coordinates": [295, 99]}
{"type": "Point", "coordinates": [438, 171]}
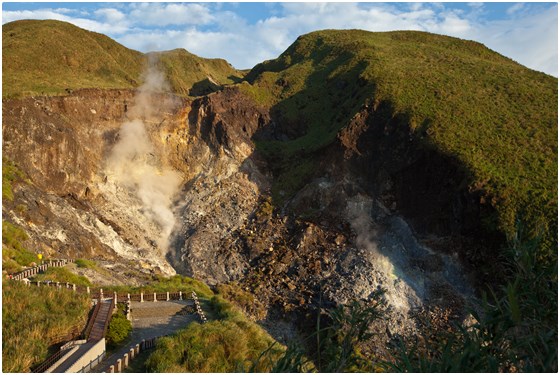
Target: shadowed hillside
{"type": "Point", "coordinates": [495, 118]}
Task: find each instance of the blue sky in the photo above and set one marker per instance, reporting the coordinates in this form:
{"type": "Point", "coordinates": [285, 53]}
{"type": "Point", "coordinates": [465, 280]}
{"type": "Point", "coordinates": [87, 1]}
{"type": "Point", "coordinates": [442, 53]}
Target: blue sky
{"type": "Point", "coordinates": [248, 33]}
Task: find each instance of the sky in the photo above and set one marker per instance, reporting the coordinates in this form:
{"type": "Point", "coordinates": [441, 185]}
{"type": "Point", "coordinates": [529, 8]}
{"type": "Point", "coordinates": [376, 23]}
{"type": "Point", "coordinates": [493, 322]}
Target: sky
{"type": "Point", "coordinates": [246, 34]}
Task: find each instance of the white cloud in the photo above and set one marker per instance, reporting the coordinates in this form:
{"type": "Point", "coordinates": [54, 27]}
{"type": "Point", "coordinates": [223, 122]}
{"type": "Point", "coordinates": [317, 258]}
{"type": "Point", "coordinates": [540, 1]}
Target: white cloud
{"type": "Point", "coordinates": [515, 8]}
{"type": "Point", "coordinates": [111, 15]}
{"type": "Point", "coordinates": [530, 39]}
{"type": "Point", "coordinates": [159, 14]}
{"type": "Point", "coordinates": [85, 23]}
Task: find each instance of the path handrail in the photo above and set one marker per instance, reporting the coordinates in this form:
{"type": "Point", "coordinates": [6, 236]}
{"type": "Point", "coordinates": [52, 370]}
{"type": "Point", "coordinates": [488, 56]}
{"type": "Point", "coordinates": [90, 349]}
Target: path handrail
{"type": "Point", "coordinates": [89, 326]}
{"type": "Point", "coordinates": [49, 361]}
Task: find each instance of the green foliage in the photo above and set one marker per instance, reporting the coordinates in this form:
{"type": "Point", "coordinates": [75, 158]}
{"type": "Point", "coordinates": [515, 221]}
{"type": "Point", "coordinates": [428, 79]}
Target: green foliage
{"type": "Point", "coordinates": [14, 254]}
{"type": "Point", "coordinates": [188, 74]}
{"type": "Point", "coordinates": [10, 174]}
{"type": "Point", "coordinates": [86, 263]}
{"type": "Point", "coordinates": [498, 118]}
{"type": "Point", "coordinates": [265, 209]}
{"type": "Point", "coordinates": [119, 328]}
{"type": "Point", "coordinates": [167, 284]}
{"type": "Point", "coordinates": [336, 345]}
{"type": "Point", "coordinates": [82, 59]}
{"type": "Point", "coordinates": [32, 320]}
{"type": "Point", "coordinates": [517, 330]}
{"type": "Point", "coordinates": [62, 275]}
{"type": "Point", "coordinates": [230, 344]}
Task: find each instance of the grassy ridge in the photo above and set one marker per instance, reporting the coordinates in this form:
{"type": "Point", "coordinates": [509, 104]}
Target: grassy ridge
{"type": "Point", "coordinates": [32, 318]}
{"type": "Point", "coordinates": [495, 116]}
{"type": "Point", "coordinates": [78, 58]}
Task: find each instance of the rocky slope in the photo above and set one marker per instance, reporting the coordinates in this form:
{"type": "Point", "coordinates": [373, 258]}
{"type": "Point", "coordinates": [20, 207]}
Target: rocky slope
{"type": "Point", "coordinates": [302, 185]}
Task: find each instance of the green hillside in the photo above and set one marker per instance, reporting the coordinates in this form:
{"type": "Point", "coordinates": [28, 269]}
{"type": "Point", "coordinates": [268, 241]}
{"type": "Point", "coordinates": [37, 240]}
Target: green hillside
{"type": "Point", "coordinates": [498, 118]}
{"type": "Point", "coordinates": [52, 56]}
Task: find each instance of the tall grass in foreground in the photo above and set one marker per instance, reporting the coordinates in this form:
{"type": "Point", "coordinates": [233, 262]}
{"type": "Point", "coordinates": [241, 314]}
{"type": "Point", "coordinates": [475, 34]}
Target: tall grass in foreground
{"type": "Point", "coordinates": [516, 332]}
{"type": "Point", "coordinates": [229, 344]}
{"type": "Point", "coordinates": [32, 319]}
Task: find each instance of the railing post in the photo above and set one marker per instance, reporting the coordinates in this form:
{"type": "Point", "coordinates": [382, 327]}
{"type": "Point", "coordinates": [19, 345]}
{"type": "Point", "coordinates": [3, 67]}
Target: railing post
{"type": "Point", "coordinates": [155, 298]}
{"type": "Point", "coordinates": [131, 353]}
{"type": "Point", "coordinates": [87, 289]}
{"type": "Point", "coordinates": [74, 287]}
{"type": "Point", "coordinates": [100, 294]}
{"type": "Point", "coordinates": [125, 361]}
{"type": "Point", "coordinates": [137, 349]}
{"type": "Point", "coordinates": [168, 296]}
{"type": "Point", "coordinates": [112, 369]}
{"type": "Point", "coordinates": [119, 365]}
{"type": "Point", "coordinates": [141, 296]}
{"type": "Point", "coordinates": [180, 296]}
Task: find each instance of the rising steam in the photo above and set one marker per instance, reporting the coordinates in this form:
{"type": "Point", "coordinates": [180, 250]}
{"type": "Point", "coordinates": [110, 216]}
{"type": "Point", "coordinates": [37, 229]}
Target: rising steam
{"type": "Point", "coordinates": [133, 165]}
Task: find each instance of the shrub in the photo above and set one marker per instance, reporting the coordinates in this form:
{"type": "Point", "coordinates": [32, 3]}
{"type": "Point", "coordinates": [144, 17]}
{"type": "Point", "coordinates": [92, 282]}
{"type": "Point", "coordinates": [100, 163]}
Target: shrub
{"type": "Point", "coordinates": [119, 328]}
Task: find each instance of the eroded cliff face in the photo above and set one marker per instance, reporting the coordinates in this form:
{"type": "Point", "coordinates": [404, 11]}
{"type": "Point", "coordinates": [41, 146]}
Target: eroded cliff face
{"type": "Point", "coordinates": [340, 238]}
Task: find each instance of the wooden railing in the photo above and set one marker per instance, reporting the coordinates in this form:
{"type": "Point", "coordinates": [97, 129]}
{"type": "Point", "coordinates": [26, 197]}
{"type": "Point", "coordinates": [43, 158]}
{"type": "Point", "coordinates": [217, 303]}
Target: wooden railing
{"type": "Point", "coordinates": [89, 326]}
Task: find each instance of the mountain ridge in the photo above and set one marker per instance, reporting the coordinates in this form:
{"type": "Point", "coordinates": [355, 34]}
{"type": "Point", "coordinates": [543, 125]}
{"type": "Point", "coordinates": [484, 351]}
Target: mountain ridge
{"type": "Point", "coordinates": [83, 59]}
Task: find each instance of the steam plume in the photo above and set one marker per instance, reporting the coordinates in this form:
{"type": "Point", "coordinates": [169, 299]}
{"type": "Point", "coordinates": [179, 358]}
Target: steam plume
{"type": "Point", "coordinates": [134, 166]}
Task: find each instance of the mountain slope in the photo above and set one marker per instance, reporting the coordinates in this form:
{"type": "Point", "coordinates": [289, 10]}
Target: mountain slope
{"type": "Point", "coordinates": [494, 117]}
{"type": "Point", "coordinates": [78, 58]}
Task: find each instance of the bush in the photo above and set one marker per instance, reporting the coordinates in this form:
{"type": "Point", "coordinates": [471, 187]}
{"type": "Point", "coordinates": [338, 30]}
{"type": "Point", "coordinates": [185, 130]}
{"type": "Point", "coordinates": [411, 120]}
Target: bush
{"type": "Point", "coordinates": [119, 329]}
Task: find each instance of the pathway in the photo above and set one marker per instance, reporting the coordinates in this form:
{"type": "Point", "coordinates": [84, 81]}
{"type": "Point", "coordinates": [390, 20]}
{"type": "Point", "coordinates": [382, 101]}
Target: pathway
{"type": "Point", "coordinates": [150, 319]}
{"type": "Point", "coordinates": [97, 333]}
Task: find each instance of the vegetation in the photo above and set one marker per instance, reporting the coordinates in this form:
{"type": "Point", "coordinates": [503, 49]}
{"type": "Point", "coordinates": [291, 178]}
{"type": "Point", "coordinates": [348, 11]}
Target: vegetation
{"type": "Point", "coordinates": [84, 59]}
{"type": "Point", "coordinates": [119, 328]}
{"type": "Point", "coordinates": [336, 346]}
{"type": "Point", "coordinates": [86, 263]}
{"type": "Point", "coordinates": [10, 174]}
{"type": "Point", "coordinates": [167, 284]}
{"type": "Point", "coordinates": [62, 275]}
{"type": "Point", "coordinates": [516, 332]}
{"type": "Point", "coordinates": [498, 118]}
{"type": "Point", "coordinates": [229, 344]}
{"type": "Point", "coordinates": [33, 319]}
{"type": "Point", "coordinates": [14, 254]}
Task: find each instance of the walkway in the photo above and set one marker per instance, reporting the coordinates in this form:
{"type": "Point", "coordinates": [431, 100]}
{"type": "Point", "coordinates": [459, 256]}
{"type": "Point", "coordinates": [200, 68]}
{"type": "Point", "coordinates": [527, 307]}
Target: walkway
{"type": "Point", "coordinates": [151, 319]}
{"type": "Point", "coordinates": [97, 333]}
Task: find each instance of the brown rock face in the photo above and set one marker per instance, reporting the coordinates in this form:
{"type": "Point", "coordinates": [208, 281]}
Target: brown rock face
{"type": "Point", "coordinates": [338, 239]}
